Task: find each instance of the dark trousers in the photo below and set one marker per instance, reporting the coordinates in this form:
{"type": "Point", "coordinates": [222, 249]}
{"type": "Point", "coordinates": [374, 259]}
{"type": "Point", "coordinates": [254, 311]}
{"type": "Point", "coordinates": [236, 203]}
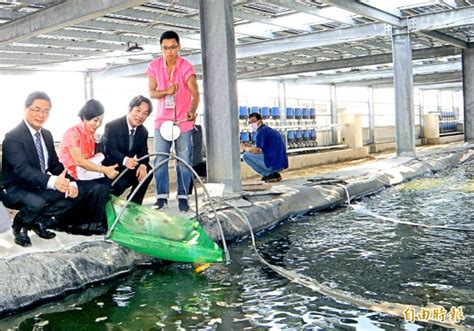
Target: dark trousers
{"type": "Point", "coordinates": [40, 206]}
{"type": "Point", "coordinates": [129, 179]}
{"type": "Point", "coordinates": [90, 206]}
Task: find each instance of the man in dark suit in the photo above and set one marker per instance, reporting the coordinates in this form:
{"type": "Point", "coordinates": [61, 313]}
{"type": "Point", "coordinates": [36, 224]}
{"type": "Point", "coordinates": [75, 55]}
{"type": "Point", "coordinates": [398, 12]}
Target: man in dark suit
{"type": "Point", "coordinates": [34, 181]}
{"type": "Point", "coordinates": [125, 141]}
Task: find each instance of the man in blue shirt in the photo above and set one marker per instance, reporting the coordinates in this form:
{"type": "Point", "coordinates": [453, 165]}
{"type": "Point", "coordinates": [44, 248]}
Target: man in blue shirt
{"type": "Point", "coordinates": [268, 157]}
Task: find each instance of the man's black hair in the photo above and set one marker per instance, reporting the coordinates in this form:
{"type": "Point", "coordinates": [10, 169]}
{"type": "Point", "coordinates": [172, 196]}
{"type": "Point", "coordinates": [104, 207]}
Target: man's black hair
{"type": "Point", "coordinates": [92, 108]}
{"type": "Point", "coordinates": [36, 95]}
{"type": "Point", "coordinates": [256, 115]}
{"type": "Point", "coordinates": [137, 101]}
{"type": "Point", "coordinates": [169, 35]}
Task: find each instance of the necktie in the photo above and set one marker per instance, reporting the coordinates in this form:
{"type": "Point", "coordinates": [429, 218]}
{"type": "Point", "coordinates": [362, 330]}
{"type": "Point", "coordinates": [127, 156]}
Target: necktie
{"type": "Point", "coordinates": [39, 150]}
{"type": "Point", "coordinates": [130, 140]}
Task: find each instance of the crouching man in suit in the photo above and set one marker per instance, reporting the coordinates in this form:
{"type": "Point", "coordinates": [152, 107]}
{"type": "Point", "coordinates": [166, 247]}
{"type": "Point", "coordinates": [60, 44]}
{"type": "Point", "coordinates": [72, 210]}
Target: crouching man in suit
{"type": "Point", "coordinates": [125, 141]}
{"type": "Point", "coordinates": [34, 181]}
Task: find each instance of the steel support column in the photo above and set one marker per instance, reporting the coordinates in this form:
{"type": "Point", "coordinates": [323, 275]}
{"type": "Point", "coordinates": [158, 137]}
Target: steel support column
{"type": "Point", "coordinates": [282, 101]}
{"type": "Point", "coordinates": [333, 104]}
{"type": "Point", "coordinates": [88, 86]}
{"type": "Point", "coordinates": [370, 102]}
{"type": "Point", "coordinates": [468, 93]}
{"type": "Point", "coordinates": [220, 93]}
{"type": "Point", "coordinates": [403, 86]}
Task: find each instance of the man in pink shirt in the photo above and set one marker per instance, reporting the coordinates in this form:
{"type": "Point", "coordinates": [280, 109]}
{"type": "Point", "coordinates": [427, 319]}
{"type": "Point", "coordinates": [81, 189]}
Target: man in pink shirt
{"type": "Point", "coordinates": [172, 80]}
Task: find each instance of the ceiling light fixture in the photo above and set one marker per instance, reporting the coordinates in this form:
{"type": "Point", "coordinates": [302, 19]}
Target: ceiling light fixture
{"type": "Point", "coordinates": [133, 47]}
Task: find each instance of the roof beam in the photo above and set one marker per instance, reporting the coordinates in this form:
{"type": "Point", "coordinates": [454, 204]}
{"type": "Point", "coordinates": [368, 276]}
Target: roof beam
{"type": "Point", "coordinates": [28, 62]}
{"type": "Point", "coordinates": [74, 43]}
{"type": "Point", "coordinates": [417, 54]}
{"type": "Point", "coordinates": [308, 9]}
{"type": "Point", "coordinates": [446, 38]}
{"type": "Point", "coordinates": [52, 50]}
{"type": "Point", "coordinates": [436, 79]}
{"type": "Point", "coordinates": [157, 17]}
{"type": "Point", "coordinates": [316, 39]}
{"type": "Point", "coordinates": [433, 21]}
{"type": "Point", "coordinates": [310, 40]}
{"type": "Point", "coordinates": [37, 56]}
{"type": "Point", "coordinates": [442, 20]}
{"type": "Point", "coordinates": [89, 35]}
{"type": "Point", "coordinates": [366, 11]}
{"type": "Point", "coordinates": [450, 3]}
{"type": "Point", "coordinates": [276, 22]}
{"type": "Point", "coordinates": [59, 16]}
{"type": "Point", "coordinates": [120, 27]}
{"type": "Point", "coordinates": [376, 75]}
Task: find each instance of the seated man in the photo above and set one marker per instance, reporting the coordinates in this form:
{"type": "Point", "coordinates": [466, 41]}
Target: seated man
{"type": "Point", "coordinates": [125, 141]}
{"type": "Point", "coordinates": [268, 157]}
{"type": "Point", "coordinates": [34, 181]}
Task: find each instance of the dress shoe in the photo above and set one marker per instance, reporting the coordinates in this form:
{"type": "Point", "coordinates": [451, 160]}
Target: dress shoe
{"type": "Point", "coordinates": [42, 232]}
{"type": "Point", "coordinates": [21, 236]}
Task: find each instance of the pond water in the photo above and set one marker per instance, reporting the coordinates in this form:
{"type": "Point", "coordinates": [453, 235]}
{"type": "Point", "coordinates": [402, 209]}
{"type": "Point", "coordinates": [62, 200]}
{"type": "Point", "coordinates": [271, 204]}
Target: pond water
{"type": "Point", "coordinates": [340, 248]}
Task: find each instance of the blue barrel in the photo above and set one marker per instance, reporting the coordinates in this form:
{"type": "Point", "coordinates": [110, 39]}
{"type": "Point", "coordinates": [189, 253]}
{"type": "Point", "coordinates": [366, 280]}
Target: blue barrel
{"type": "Point", "coordinates": [243, 112]}
{"type": "Point", "coordinates": [276, 112]}
{"type": "Point", "coordinates": [254, 109]}
{"type": "Point", "coordinates": [307, 135]}
{"type": "Point", "coordinates": [290, 113]}
{"type": "Point", "coordinates": [245, 136]}
{"type": "Point", "coordinates": [312, 113]}
{"type": "Point", "coordinates": [298, 113]}
{"type": "Point", "coordinates": [299, 135]}
{"type": "Point", "coordinates": [266, 112]}
{"type": "Point", "coordinates": [313, 134]}
{"type": "Point", "coordinates": [290, 135]}
{"type": "Point", "coordinates": [306, 113]}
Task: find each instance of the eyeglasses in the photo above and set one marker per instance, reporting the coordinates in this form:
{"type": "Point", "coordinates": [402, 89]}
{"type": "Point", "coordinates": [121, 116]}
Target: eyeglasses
{"type": "Point", "coordinates": [170, 48]}
{"type": "Point", "coordinates": [40, 111]}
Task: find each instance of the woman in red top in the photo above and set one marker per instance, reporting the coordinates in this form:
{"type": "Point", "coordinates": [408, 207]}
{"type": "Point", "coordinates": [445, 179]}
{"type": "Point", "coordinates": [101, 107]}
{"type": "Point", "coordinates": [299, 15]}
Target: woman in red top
{"type": "Point", "coordinates": [77, 153]}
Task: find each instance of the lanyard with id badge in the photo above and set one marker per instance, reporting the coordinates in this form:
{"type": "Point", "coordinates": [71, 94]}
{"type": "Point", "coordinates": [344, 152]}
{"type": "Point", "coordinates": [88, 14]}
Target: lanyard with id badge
{"type": "Point", "coordinates": [170, 100]}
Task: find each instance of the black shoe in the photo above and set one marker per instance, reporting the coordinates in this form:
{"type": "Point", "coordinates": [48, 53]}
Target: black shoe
{"type": "Point", "coordinates": [99, 230]}
{"type": "Point", "coordinates": [21, 235]}
{"type": "Point", "coordinates": [183, 205]}
{"type": "Point", "coordinates": [160, 204]}
{"type": "Point", "coordinates": [265, 178]}
{"type": "Point", "coordinates": [274, 177]}
{"type": "Point", "coordinates": [40, 229]}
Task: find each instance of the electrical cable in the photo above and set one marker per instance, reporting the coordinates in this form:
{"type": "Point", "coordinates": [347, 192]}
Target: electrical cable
{"type": "Point", "coordinates": [385, 307]}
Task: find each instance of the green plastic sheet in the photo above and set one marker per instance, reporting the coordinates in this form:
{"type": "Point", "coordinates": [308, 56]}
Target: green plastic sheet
{"type": "Point", "coordinates": [160, 235]}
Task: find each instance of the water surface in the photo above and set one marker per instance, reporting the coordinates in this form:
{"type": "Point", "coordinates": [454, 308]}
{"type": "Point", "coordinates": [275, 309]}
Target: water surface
{"type": "Point", "coordinates": [340, 248]}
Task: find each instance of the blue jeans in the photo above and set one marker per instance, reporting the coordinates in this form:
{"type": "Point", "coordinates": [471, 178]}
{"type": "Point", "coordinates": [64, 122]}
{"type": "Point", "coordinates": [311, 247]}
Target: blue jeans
{"type": "Point", "coordinates": [256, 162]}
{"type": "Point", "coordinates": [183, 146]}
